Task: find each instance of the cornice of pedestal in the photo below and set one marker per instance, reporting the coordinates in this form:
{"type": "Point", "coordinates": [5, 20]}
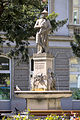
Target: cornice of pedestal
{"type": "Point", "coordinates": [42, 56]}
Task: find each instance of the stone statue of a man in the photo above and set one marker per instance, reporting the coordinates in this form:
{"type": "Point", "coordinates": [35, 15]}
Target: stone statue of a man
{"type": "Point", "coordinates": [43, 27]}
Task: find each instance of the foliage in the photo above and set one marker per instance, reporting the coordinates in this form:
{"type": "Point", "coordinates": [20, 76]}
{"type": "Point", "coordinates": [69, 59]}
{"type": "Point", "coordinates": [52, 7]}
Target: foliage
{"type": "Point", "coordinates": [4, 93]}
{"type": "Point", "coordinates": [17, 19]}
{"type": "Point", "coordinates": [76, 45]}
{"type": "Point", "coordinates": [55, 24]}
{"type": "Point", "coordinates": [76, 93]}
{"type": "Point", "coordinates": [49, 117]}
{"type": "Point", "coordinates": [4, 86]}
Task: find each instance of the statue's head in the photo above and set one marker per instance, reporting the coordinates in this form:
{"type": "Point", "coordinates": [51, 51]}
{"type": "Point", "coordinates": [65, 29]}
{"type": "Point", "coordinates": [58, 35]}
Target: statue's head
{"type": "Point", "coordinates": [44, 13]}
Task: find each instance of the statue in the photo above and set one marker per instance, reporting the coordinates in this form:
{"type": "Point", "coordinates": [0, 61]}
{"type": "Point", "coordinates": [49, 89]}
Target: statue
{"type": "Point", "coordinates": [40, 82]}
{"type": "Point", "coordinates": [43, 27]}
{"type": "Point", "coordinates": [51, 80]}
{"type": "Point", "coordinates": [44, 82]}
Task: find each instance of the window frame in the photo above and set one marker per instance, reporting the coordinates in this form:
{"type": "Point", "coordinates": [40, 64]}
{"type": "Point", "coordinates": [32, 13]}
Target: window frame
{"type": "Point", "coordinates": [76, 8]}
{"type": "Point", "coordinates": [5, 72]}
{"type": "Point", "coordinates": [77, 18]}
{"type": "Point", "coordinates": [73, 72]}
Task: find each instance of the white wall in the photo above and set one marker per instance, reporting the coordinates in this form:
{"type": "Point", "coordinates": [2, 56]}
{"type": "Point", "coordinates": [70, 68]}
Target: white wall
{"type": "Point", "coordinates": [61, 7]}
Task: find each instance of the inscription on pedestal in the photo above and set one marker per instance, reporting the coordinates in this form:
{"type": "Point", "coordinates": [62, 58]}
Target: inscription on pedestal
{"type": "Point", "coordinates": [39, 66]}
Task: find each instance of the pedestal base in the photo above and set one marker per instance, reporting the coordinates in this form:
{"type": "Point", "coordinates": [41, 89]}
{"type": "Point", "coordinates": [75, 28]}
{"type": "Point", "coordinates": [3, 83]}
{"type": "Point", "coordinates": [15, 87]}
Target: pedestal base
{"type": "Point", "coordinates": [44, 104]}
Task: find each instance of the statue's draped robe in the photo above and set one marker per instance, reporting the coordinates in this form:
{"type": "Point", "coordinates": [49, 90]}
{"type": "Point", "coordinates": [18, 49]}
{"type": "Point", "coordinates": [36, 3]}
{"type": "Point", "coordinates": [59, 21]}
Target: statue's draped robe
{"type": "Point", "coordinates": [43, 26]}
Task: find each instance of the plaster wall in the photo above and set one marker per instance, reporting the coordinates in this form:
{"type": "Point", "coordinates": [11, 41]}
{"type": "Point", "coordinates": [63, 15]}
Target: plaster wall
{"type": "Point", "coordinates": [62, 8]}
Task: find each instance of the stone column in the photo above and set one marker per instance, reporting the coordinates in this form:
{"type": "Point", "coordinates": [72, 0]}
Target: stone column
{"type": "Point", "coordinates": [51, 6]}
{"type": "Point", "coordinates": [79, 11]}
{"type": "Point", "coordinates": [70, 11]}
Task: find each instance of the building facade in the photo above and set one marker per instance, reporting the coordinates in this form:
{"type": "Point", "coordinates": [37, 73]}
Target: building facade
{"type": "Point", "coordinates": [66, 66]}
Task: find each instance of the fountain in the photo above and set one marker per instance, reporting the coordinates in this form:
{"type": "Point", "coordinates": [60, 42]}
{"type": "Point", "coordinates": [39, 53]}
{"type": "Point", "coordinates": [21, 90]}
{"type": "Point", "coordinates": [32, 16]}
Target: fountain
{"type": "Point", "coordinates": [43, 94]}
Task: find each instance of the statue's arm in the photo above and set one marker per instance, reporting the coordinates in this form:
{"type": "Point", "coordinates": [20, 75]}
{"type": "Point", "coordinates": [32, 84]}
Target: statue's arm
{"type": "Point", "coordinates": [37, 24]}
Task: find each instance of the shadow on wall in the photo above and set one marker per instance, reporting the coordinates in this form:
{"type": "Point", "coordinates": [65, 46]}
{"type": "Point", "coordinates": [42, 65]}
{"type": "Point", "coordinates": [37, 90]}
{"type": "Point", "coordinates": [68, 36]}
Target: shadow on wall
{"type": "Point", "coordinates": [66, 103]}
{"type": "Point", "coordinates": [70, 104]}
{"type": "Point", "coordinates": [18, 104]}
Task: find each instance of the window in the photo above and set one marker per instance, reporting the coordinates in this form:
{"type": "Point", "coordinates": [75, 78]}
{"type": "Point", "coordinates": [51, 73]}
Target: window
{"type": "Point", "coordinates": [75, 16]}
{"type": "Point", "coordinates": [31, 67]}
{"type": "Point", "coordinates": [4, 78]}
{"type": "Point", "coordinates": [75, 72]}
{"type": "Point", "coordinates": [76, 9]}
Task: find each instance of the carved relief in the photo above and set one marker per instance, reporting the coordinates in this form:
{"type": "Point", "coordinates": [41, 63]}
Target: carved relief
{"type": "Point", "coordinates": [44, 82]}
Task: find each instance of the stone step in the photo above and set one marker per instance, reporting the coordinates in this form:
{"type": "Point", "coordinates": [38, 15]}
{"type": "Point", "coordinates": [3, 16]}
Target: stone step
{"type": "Point", "coordinates": [54, 112]}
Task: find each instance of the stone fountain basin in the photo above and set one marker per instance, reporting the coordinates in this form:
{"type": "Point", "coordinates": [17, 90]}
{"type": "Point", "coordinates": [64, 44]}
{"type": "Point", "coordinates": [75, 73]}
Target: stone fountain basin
{"type": "Point", "coordinates": [43, 94]}
{"type": "Point", "coordinates": [43, 100]}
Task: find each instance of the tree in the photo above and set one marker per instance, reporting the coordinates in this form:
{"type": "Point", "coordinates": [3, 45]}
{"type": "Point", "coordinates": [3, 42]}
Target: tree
{"type": "Point", "coordinates": [17, 19]}
{"type": "Point", "coordinates": [76, 45]}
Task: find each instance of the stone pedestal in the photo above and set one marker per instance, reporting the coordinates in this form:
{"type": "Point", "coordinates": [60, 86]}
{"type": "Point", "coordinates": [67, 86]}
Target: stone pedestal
{"type": "Point", "coordinates": [42, 62]}
{"type": "Point", "coordinates": [44, 104]}
{"type": "Point", "coordinates": [43, 65]}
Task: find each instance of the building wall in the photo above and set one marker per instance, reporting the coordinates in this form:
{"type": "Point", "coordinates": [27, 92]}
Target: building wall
{"type": "Point", "coordinates": [61, 67]}
{"type": "Point", "coordinates": [62, 8]}
{"type": "Point", "coordinates": [5, 105]}
{"type": "Point", "coordinates": [21, 75]}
